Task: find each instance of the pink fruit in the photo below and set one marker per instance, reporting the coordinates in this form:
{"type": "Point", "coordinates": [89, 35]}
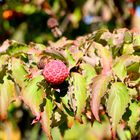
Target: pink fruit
{"type": "Point", "coordinates": [55, 72]}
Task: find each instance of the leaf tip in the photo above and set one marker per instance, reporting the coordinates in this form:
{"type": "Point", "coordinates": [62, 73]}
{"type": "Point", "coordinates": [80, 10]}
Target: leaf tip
{"type": "Point", "coordinates": [113, 132]}
{"type": "Point", "coordinates": [79, 119]}
{"type": "Point", "coordinates": [37, 119]}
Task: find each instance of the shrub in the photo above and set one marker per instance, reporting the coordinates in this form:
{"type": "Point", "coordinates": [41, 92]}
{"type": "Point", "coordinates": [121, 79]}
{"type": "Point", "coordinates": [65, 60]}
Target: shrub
{"type": "Point", "coordinates": [104, 81]}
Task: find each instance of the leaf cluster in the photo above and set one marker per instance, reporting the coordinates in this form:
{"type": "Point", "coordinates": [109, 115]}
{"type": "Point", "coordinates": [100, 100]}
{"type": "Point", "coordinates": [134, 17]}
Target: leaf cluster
{"type": "Point", "coordinates": [104, 80]}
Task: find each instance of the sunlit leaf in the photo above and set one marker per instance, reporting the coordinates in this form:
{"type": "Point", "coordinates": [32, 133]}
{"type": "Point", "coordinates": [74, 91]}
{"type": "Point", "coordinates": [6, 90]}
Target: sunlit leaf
{"type": "Point", "coordinates": [119, 68]}
{"type": "Point", "coordinates": [70, 58]}
{"type": "Point", "coordinates": [80, 91]}
{"type": "Point", "coordinates": [121, 133]}
{"type": "Point", "coordinates": [103, 81]}
{"type": "Point", "coordinates": [55, 134]}
{"type": "Point", "coordinates": [54, 54]}
{"type": "Point", "coordinates": [7, 94]}
{"type": "Point", "coordinates": [135, 67]}
{"type": "Point", "coordinates": [58, 117]}
{"type": "Point", "coordinates": [128, 49]}
{"type": "Point", "coordinates": [59, 44]}
{"type": "Point", "coordinates": [97, 34]}
{"type": "Point", "coordinates": [19, 73]}
{"type": "Point", "coordinates": [135, 116]}
{"type": "Point", "coordinates": [133, 92]}
{"type": "Point", "coordinates": [68, 111]}
{"type": "Point", "coordinates": [136, 40]}
{"type": "Point", "coordinates": [32, 95]}
{"type": "Point", "coordinates": [3, 60]}
{"type": "Point", "coordinates": [88, 71]}
{"type": "Point", "coordinates": [128, 37]}
{"type": "Point", "coordinates": [99, 88]}
{"type": "Point", "coordinates": [37, 46]}
{"type": "Point", "coordinates": [73, 54]}
{"type": "Point", "coordinates": [16, 48]}
{"type": "Point", "coordinates": [106, 57]}
{"type": "Point", "coordinates": [118, 36]}
{"type": "Point", "coordinates": [136, 43]}
{"type": "Point", "coordinates": [46, 116]}
{"type": "Point", "coordinates": [117, 103]}
{"type": "Point", "coordinates": [3, 66]}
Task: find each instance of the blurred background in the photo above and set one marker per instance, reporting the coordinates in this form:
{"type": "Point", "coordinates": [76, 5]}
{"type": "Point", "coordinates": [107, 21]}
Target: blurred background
{"type": "Point", "coordinates": [42, 20]}
{"type": "Point", "coordinates": [28, 20]}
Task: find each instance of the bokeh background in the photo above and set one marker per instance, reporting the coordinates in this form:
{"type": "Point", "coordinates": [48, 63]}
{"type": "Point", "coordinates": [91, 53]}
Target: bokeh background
{"type": "Point", "coordinates": [43, 20]}
{"type": "Point", "coordinates": [26, 20]}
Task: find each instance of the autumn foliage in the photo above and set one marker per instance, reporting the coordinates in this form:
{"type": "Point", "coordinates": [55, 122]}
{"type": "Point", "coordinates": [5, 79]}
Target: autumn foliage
{"type": "Point", "coordinates": [103, 85]}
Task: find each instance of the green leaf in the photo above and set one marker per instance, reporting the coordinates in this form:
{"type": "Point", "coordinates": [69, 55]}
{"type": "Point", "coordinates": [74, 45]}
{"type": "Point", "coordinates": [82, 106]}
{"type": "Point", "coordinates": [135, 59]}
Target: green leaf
{"type": "Point", "coordinates": [133, 92]}
{"type": "Point", "coordinates": [128, 49]}
{"type": "Point", "coordinates": [88, 71]}
{"type": "Point", "coordinates": [58, 117]}
{"type": "Point", "coordinates": [55, 133]}
{"type": "Point", "coordinates": [7, 94]}
{"type": "Point", "coordinates": [32, 95]}
{"type": "Point", "coordinates": [3, 66]}
{"type": "Point", "coordinates": [3, 61]}
{"type": "Point", "coordinates": [37, 46]}
{"type": "Point", "coordinates": [17, 48]}
{"type": "Point", "coordinates": [68, 111]}
{"type": "Point", "coordinates": [70, 59]}
{"type": "Point", "coordinates": [99, 87]}
{"type": "Point", "coordinates": [12, 47]}
{"type": "Point", "coordinates": [76, 132]}
{"type": "Point", "coordinates": [54, 54]}
{"type": "Point", "coordinates": [46, 118]}
{"type": "Point", "coordinates": [97, 34]}
{"type": "Point", "coordinates": [121, 133]}
{"type": "Point", "coordinates": [73, 54]}
{"type": "Point", "coordinates": [3, 73]}
{"type": "Point", "coordinates": [135, 116]}
{"type": "Point", "coordinates": [136, 40]}
{"type": "Point", "coordinates": [136, 43]}
{"type": "Point", "coordinates": [135, 67]}
{"type": "Point", "coordinates": [80, 91]}
{"type": "Point", "coordinates": [117, 103]}
{"type": "Point", "coordinates": [128, 37]}
{"type": "Point", "coordinates": [19, 73]}
{"type": "Point", "coordinates": [119, 68]}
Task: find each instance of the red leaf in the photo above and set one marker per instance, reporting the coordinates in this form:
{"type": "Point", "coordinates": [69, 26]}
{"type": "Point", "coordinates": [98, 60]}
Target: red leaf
{"type": "Point", "coordinates": [106, 58]}
{"type": "Point", "coordinates": [99, 87]}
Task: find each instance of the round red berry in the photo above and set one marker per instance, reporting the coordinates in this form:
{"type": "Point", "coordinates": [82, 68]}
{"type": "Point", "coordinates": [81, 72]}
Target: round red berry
{"type": "Point", "coordinates": [55, 72]}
